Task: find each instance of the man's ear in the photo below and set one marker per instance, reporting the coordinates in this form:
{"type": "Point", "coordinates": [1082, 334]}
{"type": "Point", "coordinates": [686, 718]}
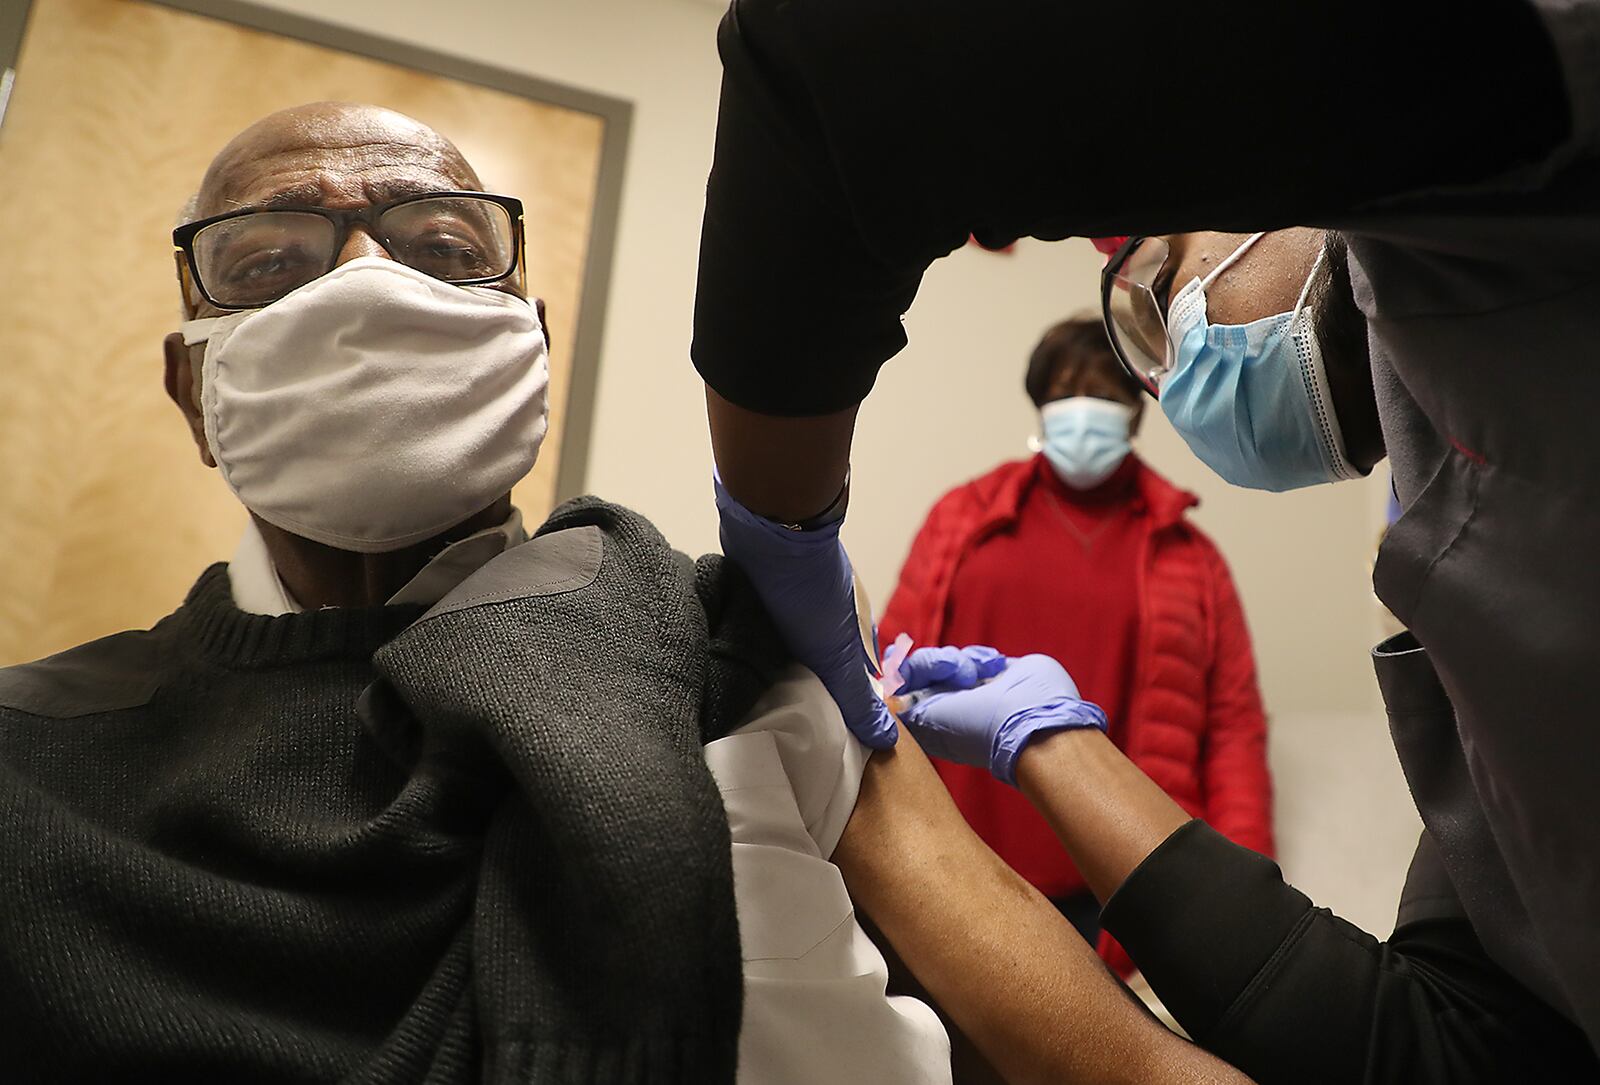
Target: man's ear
{"type": "Point", "coordinates": [538, 307]}
{"type": "Point", "coordinates": [1138, 415]}
{"type": "Point", "coordinates": [181, 388]}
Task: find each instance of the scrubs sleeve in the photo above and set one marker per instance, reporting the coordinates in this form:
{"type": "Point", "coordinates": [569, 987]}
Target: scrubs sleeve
{"type": "Point", "coordinates": [859, 140]}
{"type": "Point", "coordinates": [1287, 991]}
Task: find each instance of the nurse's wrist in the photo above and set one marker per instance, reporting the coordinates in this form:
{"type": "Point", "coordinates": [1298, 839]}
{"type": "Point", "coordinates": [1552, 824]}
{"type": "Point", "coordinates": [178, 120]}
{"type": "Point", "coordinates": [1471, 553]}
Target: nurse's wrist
{"type": "Point", "coordinates": [1054, 755]}
{"type": "Point", "coordinates": [784, 469]}
{"type": "Point", "coordinates": [1028, 729]}
{"type": "Point", "coordinates": [1105, 811]}
{"type": "Point", "coordinates": [831, 516]}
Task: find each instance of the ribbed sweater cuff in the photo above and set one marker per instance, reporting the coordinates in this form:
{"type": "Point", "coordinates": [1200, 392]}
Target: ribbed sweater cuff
{"type": "Point", "coordinates": [1201, 916]}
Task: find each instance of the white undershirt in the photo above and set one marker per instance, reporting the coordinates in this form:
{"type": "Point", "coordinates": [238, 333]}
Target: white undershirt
{"type": "Point", "coordinates": [814, 1003]}
{"type": "Point", "coordinates": [257, 588]}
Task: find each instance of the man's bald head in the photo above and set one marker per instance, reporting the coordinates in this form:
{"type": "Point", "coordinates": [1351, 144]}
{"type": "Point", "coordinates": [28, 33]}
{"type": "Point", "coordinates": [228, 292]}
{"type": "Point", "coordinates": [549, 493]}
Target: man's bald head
{"type": "Point", "coordinates": [336, 155]}
{"type": "Point", "coordinates": [333, 154]}
{"type": "Point", "coordinates": [327, 154]}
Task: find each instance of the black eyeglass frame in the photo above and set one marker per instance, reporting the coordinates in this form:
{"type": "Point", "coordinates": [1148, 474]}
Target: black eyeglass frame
{"type": "Point", "coordinates": [342, 219]}
{"type": "Point", "coordinates": [1108, 276]}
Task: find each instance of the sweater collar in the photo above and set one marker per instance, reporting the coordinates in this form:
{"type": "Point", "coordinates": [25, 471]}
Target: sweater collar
{"type": "Point", "coordinates": [257, 588]}
{"type": "Point", "coordinates": [231, 637]}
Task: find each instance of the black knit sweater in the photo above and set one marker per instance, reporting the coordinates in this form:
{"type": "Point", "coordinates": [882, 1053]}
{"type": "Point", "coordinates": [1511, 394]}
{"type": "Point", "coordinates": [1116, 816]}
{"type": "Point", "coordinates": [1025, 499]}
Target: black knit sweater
{"type": "Point", "coordinates": [360, 845]}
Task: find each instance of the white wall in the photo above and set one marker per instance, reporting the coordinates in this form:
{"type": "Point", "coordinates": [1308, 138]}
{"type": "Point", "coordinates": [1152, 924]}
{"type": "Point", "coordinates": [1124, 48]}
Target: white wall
{"type": "Point", "coordinates": [948, 408]}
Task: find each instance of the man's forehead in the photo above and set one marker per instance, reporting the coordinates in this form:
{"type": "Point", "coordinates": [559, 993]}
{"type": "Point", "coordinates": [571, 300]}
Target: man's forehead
{"type": "Point", "coordinates": [331, 179]}
{"type": "Point", "coordinates": [332, 154]}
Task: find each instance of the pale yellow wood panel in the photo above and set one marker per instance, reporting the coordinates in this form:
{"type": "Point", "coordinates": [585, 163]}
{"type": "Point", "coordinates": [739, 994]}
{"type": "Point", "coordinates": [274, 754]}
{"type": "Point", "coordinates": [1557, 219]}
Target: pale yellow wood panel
{"type": "Point", "coordinates": [106, 513]}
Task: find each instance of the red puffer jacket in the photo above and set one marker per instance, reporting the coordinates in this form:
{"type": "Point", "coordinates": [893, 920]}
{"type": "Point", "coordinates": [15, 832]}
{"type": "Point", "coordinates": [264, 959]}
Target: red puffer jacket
{"type": "Point", "coordinates": [1194, 722]}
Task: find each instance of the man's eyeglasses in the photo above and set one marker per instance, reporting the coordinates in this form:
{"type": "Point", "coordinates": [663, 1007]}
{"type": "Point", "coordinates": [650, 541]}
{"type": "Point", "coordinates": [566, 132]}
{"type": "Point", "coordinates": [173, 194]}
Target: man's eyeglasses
{"type": "Point", "coordinates": [1133, 305]}
{"type": "Point", "coordinates": [250, 258]}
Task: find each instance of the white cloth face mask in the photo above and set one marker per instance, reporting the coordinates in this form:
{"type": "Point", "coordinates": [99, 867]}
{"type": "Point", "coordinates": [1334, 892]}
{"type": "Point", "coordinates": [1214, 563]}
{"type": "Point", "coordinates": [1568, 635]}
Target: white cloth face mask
{"type": "Point", "coordinates": [376, 406]}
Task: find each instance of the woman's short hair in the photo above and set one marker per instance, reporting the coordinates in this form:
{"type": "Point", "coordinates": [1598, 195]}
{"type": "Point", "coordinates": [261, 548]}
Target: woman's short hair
{"type": "Point", "coordinates": [1077, 341]}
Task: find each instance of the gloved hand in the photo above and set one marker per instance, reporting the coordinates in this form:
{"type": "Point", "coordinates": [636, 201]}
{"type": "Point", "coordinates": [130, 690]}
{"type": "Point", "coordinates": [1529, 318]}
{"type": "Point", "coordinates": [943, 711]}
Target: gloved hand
{"type": "Point", "coordinates": [805, 581]}
{"type": "Point", "coordinates": [978, 713]}
{"type": "Point", "coordinates": [949, 668]}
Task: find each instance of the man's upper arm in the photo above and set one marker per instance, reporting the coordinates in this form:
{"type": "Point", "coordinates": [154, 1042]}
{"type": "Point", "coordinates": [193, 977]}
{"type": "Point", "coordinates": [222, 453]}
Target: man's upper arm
{"type": "Point", "coordinates": [816, 1002]}
{"type": "Point", "coordinates": [820, 760]}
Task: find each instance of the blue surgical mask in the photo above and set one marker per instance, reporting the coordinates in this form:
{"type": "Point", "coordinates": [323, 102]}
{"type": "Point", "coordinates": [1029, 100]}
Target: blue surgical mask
{"type": "Point", "coordinates": [1251, 400]}
{"type": "Point", "coordinates": [1085, 439]}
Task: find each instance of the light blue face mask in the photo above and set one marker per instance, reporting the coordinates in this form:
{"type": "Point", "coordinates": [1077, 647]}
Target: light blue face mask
{"type": "Point", "coordinates": [1085, 439]}
{"type": "Point", "coordinates": [1251, 400]}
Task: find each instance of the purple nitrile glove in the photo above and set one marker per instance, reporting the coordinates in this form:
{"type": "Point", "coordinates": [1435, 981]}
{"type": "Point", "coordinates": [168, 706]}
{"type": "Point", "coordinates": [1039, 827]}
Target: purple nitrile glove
{"type": "Point", "coordinates": [805, 581]}
{"type": "Point", "coordinates": [977, 713]}
{"type": "Point", "coordinates": [949, 668]}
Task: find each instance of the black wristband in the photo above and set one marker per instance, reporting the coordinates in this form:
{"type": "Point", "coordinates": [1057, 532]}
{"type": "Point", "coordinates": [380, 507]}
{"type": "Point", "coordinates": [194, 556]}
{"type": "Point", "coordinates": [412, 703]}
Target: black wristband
{"type": "Point", "coordinates": [828, 516]}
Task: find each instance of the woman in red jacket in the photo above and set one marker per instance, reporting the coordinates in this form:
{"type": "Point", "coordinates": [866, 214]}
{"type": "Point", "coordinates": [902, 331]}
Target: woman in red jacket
{"type": "Point", "coordinates": [1083, 553]}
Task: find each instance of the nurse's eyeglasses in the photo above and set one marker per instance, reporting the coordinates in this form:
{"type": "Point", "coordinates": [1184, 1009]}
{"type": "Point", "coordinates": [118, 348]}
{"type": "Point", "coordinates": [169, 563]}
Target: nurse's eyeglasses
{"type": "Point", "coordinates": [250, 258]}
{"type": "Point", "coordinates": [1133, 305]}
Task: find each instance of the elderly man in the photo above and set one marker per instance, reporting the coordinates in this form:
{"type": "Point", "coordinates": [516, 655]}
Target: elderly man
{"type": "Point", "coordinates": [400, 794]}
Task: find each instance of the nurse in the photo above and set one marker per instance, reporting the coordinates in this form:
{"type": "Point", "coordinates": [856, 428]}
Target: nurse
{"type": "Point", "coordinates": [857, 142]}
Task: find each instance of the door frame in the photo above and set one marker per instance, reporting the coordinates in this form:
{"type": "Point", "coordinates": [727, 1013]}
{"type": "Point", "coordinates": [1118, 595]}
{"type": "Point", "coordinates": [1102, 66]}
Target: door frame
{"type": "Point", "coordinates": [13, 20]}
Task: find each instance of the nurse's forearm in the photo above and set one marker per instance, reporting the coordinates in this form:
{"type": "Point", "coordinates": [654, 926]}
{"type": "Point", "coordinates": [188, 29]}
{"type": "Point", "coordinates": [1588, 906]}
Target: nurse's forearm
{"type": "Point", "coordinates": [997, 957]}
{"type": "Point", "coordinates": [781, 468]}
{"type": "Point", "coordinates": [1107, 813]}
